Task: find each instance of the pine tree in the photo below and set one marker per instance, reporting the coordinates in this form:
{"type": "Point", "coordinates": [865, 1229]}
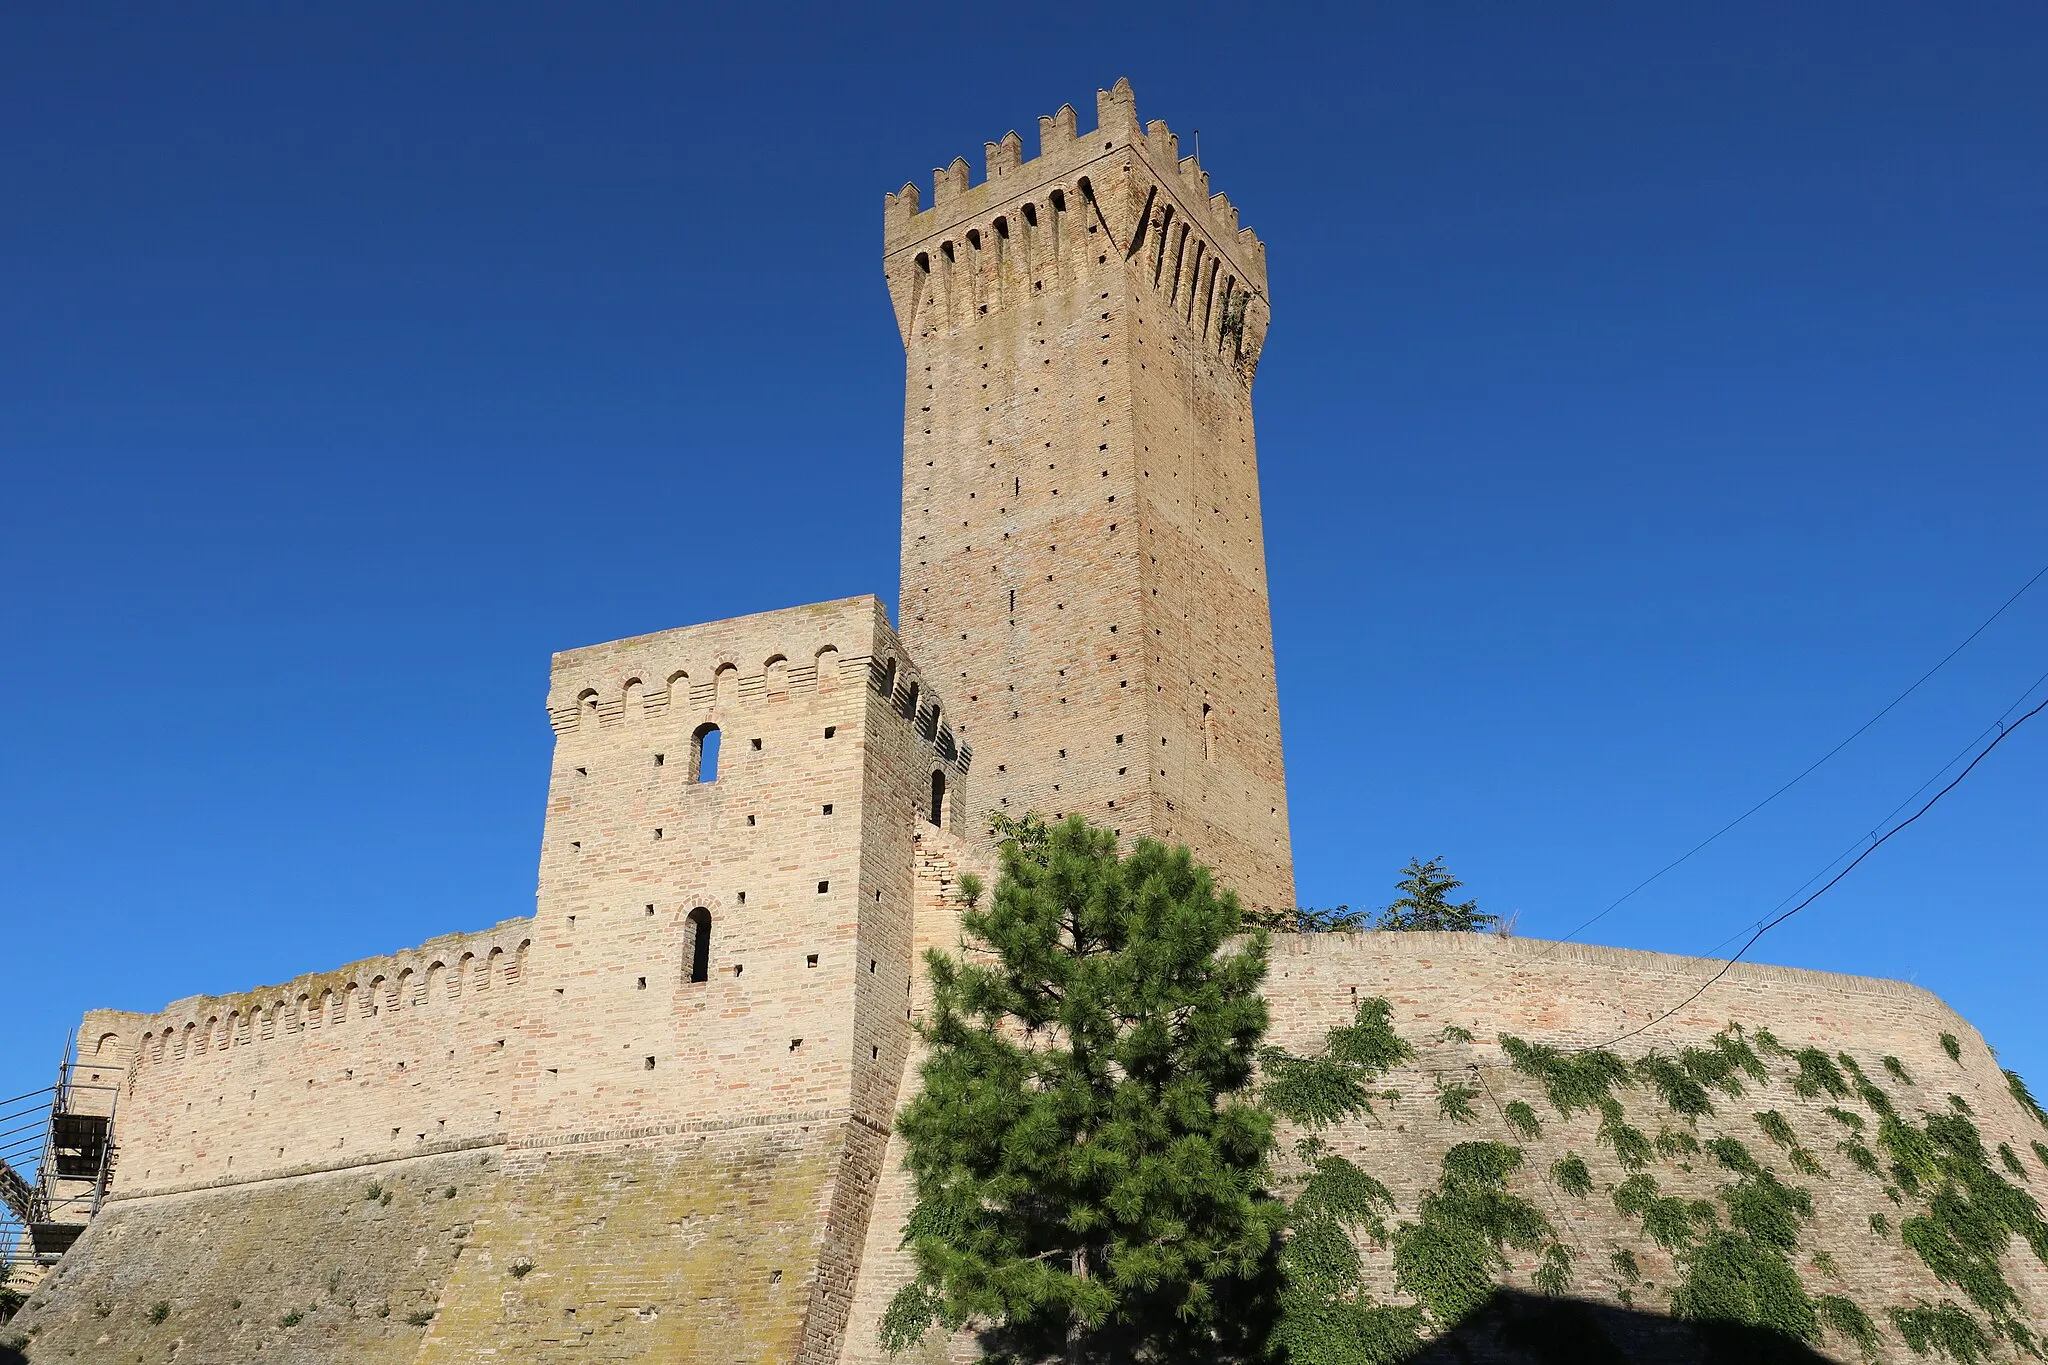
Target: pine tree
{"type": "Point", "coordinates": [1425, 902]}
{"type": "Point", "coordinates": [1089, 1155]}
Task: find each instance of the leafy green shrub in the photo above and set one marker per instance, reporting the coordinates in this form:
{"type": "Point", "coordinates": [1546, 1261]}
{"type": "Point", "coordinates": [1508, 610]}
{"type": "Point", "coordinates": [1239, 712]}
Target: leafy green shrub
{"type": "Point", "coordinates": [1454, 1101]}
{"type": "Point", "coordinates": [1572, 1080]}
{"type": "Point", "coordinates": [1776, 1128]}
{"type": "Point", "coordinates": [2026, 1097]}
{"type": "Point", "coordinates": [1635, 1194]}
{"type": "Point", "coordinates": [2040, 1151]}
{"type": "Point", "coordinates": [1522, 1119]}
{"type": "Point", "coordinates": [1805, 1162]}
{"type": "Point", "coordinates": [1448, 1260]}
{"type": "Point", "coordinates": [1731, 1153]}
{"type": "Point", "coordinates": [1897, 1070]}
{"type": "Point", "coordinates": [2011, 1159]}
{"type": "Point", "coordinates": [1326, 1316]}
{"type": "Point", "coordinates": [1825, 1263]}
{"type": "Point", "coordinates": [1729, 1278]}
{"type": "Point", "coordinates": [1672, 1144]}
{"type": "Point", "coordinates": [1961, 1106]}
{"type": "Point", "coordinates": [419, 1319]}
{"type": "Point", "coordinates": [1953, 1048]}
{"type": "Point", "coordinates": [1452, 1033]}
{"type": "Point", "coordinates": [1853, 1122]}
{"type": "Point", "coordinates": [1948, 1328]}
{"type": "Point", "coordinates": [1625, 1268]}
{"type": "Point", "coordinates": [371, 1193]}
{"type": "Point", "coordinates": [1973, 1215]}
{"type": "Point", "coordinates": [1860, 1156]}
{"type": "Point", "coordinates": [1768, 1044]}
{"type": "Point", "coordinates": [1569, 1174]}
{"type": "Point", "coordinates": [1817, 1073]}
{"type": "Point", "coordinates": [1680, 1090]}
{"type": "Point", "coordinates": [291, 1319]}
{"type": "Point", "coordinates": [1554, 1276]}
{"type": "Point", "coordinates": [1847, 1318]}
{"type": "Point", "coordinates": [158, 1311]}
{"type": "Point", "coordinates": [1880, 1225]}
{"type": "Point", "coordinates": [1767, 1210]}
{"type": "Point", "coordinates": [1631, 1148]}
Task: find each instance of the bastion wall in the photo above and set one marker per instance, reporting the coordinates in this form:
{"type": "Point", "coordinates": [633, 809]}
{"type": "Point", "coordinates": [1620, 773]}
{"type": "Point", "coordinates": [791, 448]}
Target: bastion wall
{"type": "Point", "coordinates": [1573, 996]}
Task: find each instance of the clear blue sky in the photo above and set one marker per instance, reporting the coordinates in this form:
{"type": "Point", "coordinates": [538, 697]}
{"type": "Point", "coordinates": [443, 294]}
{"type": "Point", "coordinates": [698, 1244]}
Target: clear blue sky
{"type": "Point", "coordinates": [1653, 392]}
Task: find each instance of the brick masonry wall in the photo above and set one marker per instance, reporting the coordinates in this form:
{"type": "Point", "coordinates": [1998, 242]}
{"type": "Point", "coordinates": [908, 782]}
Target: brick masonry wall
{"type": "Point", "coordinates": [617, 1103]}
{"type": "Point", "coordinates": [1083, 558]}
{"type": "Point", "coordinates": [1570, 995]}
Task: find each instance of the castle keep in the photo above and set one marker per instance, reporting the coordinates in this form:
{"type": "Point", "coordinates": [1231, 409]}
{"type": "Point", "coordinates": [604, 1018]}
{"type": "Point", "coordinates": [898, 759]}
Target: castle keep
{"type": "Point", "coordinates": [1084, 565]}
{"type": "Point", "coordinates": [653, 1119]}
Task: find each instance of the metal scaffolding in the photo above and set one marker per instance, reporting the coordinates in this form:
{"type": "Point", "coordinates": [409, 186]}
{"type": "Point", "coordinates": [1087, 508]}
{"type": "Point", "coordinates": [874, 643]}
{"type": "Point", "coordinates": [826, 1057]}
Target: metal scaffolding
{"type": "Point", "coordinates": [56, 1159]}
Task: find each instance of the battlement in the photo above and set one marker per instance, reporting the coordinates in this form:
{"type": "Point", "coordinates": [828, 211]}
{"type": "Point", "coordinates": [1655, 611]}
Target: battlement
{"type": "Point", "coordinates": [444, 969]}
{"type": "Point", "coordinates": [754, 660]}
{"type": "Point", "coordinates": [1012, 185]}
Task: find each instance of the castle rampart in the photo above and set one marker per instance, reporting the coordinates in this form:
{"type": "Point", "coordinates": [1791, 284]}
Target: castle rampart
{"type": "Point", "coordinates": [654, 1120]}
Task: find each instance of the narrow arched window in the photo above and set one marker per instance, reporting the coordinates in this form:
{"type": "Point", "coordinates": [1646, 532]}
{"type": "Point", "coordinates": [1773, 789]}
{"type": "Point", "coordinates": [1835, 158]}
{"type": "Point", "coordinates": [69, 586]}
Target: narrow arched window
{"type": "Point", "coordinates": [938, 810]}
{"type": "Point", "coordinates": [704, 754]}
{"type": "Point", "coordinates": [699, 921]}
{"type": "Point", "coordinates": [1208, 733]}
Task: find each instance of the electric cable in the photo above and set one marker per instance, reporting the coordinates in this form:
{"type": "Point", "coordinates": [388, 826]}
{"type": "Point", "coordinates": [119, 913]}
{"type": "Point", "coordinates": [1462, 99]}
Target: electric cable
{"type": "Point", "coordinates": [1877, 842]}
{"type": "Point", "coordinates": [1804, 773]}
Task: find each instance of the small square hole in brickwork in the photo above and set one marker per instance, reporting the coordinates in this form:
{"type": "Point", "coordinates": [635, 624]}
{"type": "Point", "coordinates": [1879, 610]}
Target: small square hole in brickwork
{"type": "Point", "coordinates": [583, 772]}
{"type": "Point", "coordinates": [874, 1053]}
{"type": "Point", "coordinates": [831, 730]}
{"type": "Point", "coordinates": [660, 759]}
{"type": "Point", "coordinates": [810, 959]}
{"type": "Point", "coordinates": [738, 967]}
{"type": "Point", "coordinates": [756, 743]}
{"type": "Point", "coordinates": [657, 834]}
{"type": "Point", "coordinates": [650, 909]}
{"type": "Point", "coordinates": [871, 961]}
{"type": "Point", "coordinates": [750, 819]}
{"type": "Point", "coordinates": [823, 887]}
{"type": "Point", "coordinates": [794, 1044]}
{"type": "Point", "coordinates": [775, 1276]}
{"type": "Point", "coordinates": [648, 1064]}
{"type": "Point", "coordinates": [643, 984]}
{"type": "Point", "coordinates": [828, 808]}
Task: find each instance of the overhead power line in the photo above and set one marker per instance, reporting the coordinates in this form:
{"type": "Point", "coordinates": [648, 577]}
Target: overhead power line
{"type": "Point", "coordinates": [1806, 772]}
{"type": "Point", "coordinates": [1877, 842]}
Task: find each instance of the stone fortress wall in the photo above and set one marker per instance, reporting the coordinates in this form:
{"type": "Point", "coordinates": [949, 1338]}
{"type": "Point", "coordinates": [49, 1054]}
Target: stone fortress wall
{"type": "Point", "coordinates": [667, 1091]}
{"type": "Point", "coordinates": [653, 1120]}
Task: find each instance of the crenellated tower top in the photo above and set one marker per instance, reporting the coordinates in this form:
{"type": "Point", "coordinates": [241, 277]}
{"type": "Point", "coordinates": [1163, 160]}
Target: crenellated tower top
{"type": "Point", "coordinates": [1062, 151]}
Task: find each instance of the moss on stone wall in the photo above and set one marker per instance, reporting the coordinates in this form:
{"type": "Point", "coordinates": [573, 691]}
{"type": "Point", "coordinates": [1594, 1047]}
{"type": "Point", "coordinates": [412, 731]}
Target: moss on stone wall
{"type": "Point", "coordinates": [696, 1249]}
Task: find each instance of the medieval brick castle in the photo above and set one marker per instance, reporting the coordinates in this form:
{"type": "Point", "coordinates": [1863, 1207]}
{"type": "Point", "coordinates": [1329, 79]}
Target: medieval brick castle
{"type": "Point", "coordinates": [653, 1120]}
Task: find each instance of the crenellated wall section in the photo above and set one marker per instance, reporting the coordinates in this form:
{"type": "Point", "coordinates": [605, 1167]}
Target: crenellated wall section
{"type": "Point", "coordinates": [647, 1121]}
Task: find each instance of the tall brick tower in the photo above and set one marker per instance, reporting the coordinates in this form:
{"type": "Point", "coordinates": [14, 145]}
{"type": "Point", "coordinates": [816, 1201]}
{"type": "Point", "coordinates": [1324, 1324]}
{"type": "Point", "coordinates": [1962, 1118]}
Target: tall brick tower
{"type": "Point", "coordinates": [1084, 569]}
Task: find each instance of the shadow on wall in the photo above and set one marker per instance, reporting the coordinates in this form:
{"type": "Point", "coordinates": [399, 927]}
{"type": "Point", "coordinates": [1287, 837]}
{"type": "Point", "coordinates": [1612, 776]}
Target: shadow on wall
{"type": "Point", "coordinates": [1516, 1328]}
{"type": "Point", "coordinates": [10, 1356]}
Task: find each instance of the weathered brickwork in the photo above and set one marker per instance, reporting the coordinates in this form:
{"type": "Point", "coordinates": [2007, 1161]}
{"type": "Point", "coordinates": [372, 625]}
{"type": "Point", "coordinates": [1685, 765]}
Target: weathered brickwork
{"type": "Point", "coordinates": [1084, 561]}
{"type": "Point", "coordinates": [654, 1119]}
{"type": "Point", "coordinates": [679, 1072]}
